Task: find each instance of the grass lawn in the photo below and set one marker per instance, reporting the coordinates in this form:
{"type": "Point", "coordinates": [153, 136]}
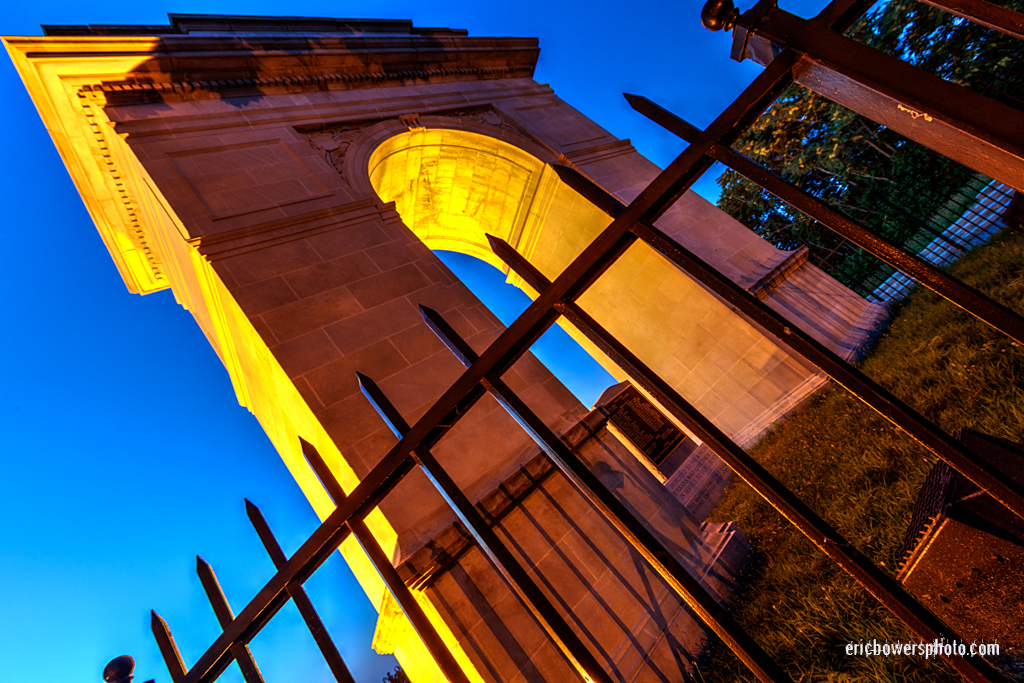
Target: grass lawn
{"type": "Point", "coordinates": [862, 476]}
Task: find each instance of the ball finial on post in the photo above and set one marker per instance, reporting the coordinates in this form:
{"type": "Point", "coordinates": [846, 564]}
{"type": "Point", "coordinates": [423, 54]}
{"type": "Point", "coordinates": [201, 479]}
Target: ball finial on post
{"type": "Point", "coordinates": [719, 15]}
{"type": "Point", "coordinates": [119, 670]}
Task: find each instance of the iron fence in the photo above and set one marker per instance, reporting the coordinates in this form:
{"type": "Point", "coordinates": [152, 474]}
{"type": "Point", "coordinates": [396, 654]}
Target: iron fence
{"type": "Point", "coordinates": [795, 50]}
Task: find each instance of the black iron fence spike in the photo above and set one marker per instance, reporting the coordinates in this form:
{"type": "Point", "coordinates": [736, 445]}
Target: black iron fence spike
{"type": "Point", "coordinates": [413, 611]}
{"type": "Point", "coordinates": [322, 471]}
{"type": "Point", "coordinates": [221, 607]}
{"type": "Point", "coordinates": [394, 420]}
{"type": "Point", "coordinates": [168, 648]}
{"type": "Point", "coordinates": [302, 602]}
{"type": "Point", "coordinates": [446, 333]}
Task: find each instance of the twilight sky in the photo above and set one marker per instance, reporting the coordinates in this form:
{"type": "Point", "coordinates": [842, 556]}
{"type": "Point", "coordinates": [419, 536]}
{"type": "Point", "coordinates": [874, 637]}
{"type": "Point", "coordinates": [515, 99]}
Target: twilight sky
{"type": "Point", "coordinates": [124, 450]}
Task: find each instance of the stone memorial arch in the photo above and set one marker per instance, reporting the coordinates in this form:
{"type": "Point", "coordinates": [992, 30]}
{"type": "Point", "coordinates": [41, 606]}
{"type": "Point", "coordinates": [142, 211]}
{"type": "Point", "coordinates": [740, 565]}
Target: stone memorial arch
{"type": "Point", "coordinates": [287, 180]}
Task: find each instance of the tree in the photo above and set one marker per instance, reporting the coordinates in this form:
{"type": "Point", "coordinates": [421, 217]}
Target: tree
{"type": "Point", "coordinates": [396, 676]}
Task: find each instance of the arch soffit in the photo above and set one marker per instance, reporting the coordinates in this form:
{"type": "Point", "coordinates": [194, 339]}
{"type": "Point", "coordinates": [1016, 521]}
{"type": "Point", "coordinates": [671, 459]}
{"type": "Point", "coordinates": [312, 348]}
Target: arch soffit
{"type": "Point", "coordinates": [480, 135]}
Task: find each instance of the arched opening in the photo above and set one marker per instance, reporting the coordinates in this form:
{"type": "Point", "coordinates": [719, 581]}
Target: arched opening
{"type": "Point", "coordinates": [452, 188]}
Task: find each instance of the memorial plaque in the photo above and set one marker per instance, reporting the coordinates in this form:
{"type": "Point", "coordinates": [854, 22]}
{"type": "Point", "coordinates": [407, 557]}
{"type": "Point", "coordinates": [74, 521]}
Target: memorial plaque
{"type": "Point", "coordinates": [699, 483]}
{"type": "Point", "coordinates": [642, 423]}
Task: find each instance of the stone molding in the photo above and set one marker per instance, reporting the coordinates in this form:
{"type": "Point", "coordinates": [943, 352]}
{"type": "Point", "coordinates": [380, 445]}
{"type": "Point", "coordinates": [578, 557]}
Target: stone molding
{"type": "Point", "coordinates": [599, 152]}
{"type": "Point", "coordinates": [95, 120]}
{"type": "Point", "coordinates": [442, 552]}
{"type": "Point", "coordinates": [138, 92]}
{"type": "Point", "coordinates": [334, 142]}
{"type": "Point", "coordinates": [226, 24]}
{"type": "Point", "coordinates": [474, 119]}
{"type": "Point", "coordinates": [253, 238]}
{"type": "Point", "coordinates": [335, 111]}
{"type": "Point", "coordinates": [777, 275]}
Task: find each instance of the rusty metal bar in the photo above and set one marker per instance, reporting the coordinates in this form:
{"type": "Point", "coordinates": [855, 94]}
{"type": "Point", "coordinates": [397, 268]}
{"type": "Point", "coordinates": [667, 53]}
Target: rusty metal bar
{"type": "Point", "coordinates": [219, 602]}
{"type": "Point", "coordinates": [967, 298]}
{"type": "Point", "coordinates": [497, 552]}
{"type": "Point", "coordinates": [576, 471]}
{"type": "Point", "coordinates": [985, 14]}
{"type": "Point", "coordinates": [963, 125]}
{"type": "Point", "coordinates": [298, 595]}
{"type": "Point", "coordinates": [443, 657]}
{"type": "Point", "coordinates": [885, 589]}
{"type": "Point", "coordinates": [962, 459]}
{"type": "Point", "coordinates": [326, 539]}
{"type": "Point", "coordinates": [168, 648]}
{"type": "Point", "coordinates": [839, 15]}
{"type": "Point", "coordinates": [498, 357]}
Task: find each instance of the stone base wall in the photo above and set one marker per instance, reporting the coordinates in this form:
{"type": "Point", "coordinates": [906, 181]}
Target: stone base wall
{"type": "Point", "coordinates": [623, 611]}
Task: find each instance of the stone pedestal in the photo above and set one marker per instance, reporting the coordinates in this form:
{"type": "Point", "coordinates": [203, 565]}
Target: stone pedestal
{"type": "Point", "coordinates": [963, 555]}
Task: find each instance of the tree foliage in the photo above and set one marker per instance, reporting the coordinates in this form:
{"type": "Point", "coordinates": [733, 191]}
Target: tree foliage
{"type": "Point", "coordinates": [896, 187]}
{"type": "Point", "coordinates": [396, 676]}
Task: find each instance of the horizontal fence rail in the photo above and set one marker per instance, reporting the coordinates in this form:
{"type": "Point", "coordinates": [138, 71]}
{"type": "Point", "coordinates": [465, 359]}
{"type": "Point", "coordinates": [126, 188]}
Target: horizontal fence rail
{"type": "Point", "coordinates": [877, 582]}
{"type": "Point", "coordinates": [946, 286]}
{"type": "Point", "coordinates": [961, 458]}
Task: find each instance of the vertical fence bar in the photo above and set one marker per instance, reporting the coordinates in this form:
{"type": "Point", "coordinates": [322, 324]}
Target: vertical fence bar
{"type": "Point", "coordinates": [635, 533]}
{"type": "Point", "coordinates": [879, 584]}
{"type": "Point", "coordinates": [168, 648]}
{"type": "Point", "coordinates": [219, 602]}
{"type": "Point", "coordinates": [302, 602]}
{"type": "Point", "coordinates": [413, 611]}
{"type": "Point", "coordinates": [497, 552]}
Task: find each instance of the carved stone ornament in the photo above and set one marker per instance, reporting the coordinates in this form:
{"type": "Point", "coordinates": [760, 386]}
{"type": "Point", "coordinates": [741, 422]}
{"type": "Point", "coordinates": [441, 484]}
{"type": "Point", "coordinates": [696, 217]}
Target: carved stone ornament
{"type": "Point", "coordinates": [487, 116]}
{"type": "Point", "coordinates": [333, 142]}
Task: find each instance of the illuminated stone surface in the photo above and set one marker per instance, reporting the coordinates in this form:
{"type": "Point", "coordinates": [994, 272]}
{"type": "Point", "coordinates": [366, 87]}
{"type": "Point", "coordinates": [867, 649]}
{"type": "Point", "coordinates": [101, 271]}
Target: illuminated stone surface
{"type": "Point", "coordinates": [240, 171]}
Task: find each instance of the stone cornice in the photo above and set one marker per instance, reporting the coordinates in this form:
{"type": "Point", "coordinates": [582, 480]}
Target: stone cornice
{"type": "Point", "coordinates": [222, 24]}
{"type": "Point", "coordinates": [74, 79]}
{"type": "Point", "coordinates": [131, 91]}
{"type": "Point", "coordinates": [137, 234]}
{"type": "Point", "coordinates": [187, 67]}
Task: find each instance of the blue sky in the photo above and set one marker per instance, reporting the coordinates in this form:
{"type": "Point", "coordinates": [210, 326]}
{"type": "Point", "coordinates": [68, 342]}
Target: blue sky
{"type": "Point", "coordinates": [125, 452]}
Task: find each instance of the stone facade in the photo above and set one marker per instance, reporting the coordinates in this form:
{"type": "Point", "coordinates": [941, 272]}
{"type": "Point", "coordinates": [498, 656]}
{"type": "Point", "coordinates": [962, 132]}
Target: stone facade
{"type": "Point", "coordinates": [273, 176]}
